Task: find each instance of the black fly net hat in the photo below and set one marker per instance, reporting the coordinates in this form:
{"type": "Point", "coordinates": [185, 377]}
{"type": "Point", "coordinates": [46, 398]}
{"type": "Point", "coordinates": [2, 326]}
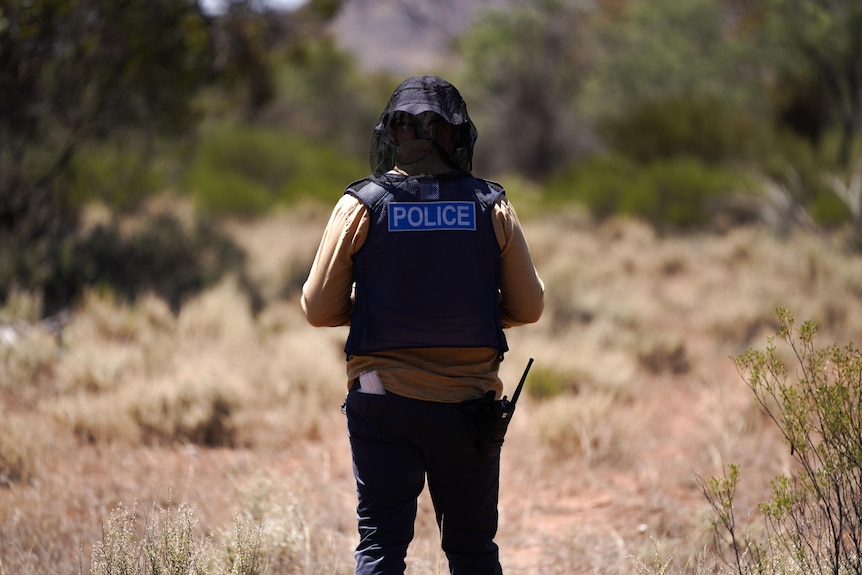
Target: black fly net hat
{"type": "Point", "coordinates": [418, 95]}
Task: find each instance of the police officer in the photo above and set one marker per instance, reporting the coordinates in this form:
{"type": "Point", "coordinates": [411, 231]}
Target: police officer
{"type": "Point", "coordinates": [427, 265]}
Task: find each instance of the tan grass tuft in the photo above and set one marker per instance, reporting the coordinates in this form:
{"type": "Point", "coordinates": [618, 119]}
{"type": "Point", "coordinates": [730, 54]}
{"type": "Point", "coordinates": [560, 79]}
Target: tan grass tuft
{"type": "Point", "coordinates": [21, 306]}
{"type": "Point", "coordinates": [27, 363]}
{"type": "Point", "coordinates": [108, 342]}
{"type": "Point", "coordinates": [195, 412]}
{"type": "Point", "coordinates": [19, 447]}
{"type": "Point", "coordinates": [659, 356]}
{"type": "Point", "coordinates": [99, 418]}
{"type": "Point", "coordinates": [222, 313]}
{"type": "Point", "coordinates": [578, 427]}
{"type": "Point", "coordinates": [280, 249]}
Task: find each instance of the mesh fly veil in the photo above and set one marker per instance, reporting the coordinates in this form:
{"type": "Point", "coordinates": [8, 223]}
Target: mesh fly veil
{"type": "Point", "coordinates": [414, 96]}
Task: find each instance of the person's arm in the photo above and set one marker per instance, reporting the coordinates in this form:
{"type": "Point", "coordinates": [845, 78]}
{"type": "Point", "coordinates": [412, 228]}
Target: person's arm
{"type": "Point", "coordinates": [326, 298]}
{"type": "Point", "coordinates": [522, 292]}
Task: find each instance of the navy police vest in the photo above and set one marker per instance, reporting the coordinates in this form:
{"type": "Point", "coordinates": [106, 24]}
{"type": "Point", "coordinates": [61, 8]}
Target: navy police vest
{"type": "Point", "coordinates": [428, 275]}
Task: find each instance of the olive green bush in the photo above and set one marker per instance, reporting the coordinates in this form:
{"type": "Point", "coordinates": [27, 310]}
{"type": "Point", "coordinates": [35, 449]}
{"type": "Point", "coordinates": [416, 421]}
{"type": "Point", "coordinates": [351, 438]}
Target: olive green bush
{"type": "Point", "coordinates": [683, 126]}
{"type": "Point", "coordinates": [678, 194]}
{"type": "Point", "coordinates": [249, 170]}
{"type": "Point", "coordinates": [547, 383]}
{"type": "Point", "coordinates": [163, 256]}
{"type": "Point", "coordinates": [121, 173]}
{"type": "Point", "coordinates": [682, 142]}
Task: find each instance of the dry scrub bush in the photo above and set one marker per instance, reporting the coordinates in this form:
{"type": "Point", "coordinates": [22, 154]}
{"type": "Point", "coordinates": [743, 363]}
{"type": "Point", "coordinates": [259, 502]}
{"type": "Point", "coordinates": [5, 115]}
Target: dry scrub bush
{"type": "Point", "coordinates": [284, 533]}
{"type": "Point", "coordinates": [27, 351]}
{"type": "Point", "coordinates": [118, 553]}
{"type": "Point", "coordinates": [599, 311]}
{"type": "Point", "coordinates": [214, 375]}
{"type": "Point", "coordinates": [220, 315]}
{"type": "Point", "coordinates": [96, 418]}
{"type": "Point", "coordinates": [664, 355]}
{"type": "Point", "coordinates": [574, 416]}
{"type": "Point", "coordinates": [116, 355]}
{"type": "Point", "coordinates": [272, 534]}
{"type": "Point", "coordinates": [622, 298]}
{"type": "Point", "coordinates": [110, 348]}
{"type": "Point", "coordinates": [21, 306]}
{"type": "Point", "coordinates": [280, 249]}
{"type": "Point", "coordinates": [186, 412]}
{"type": "Point", "coordinates": [98, 366]}
{"type": "Point", "coordinates": [299, 371]}
{"type": "Point", "coordinates": [804, 273]}
{"type": "Point", "coordinates": [107, 342]}
{"type": "Point", "coordinates": [169, 545]}
{"type": "Point", "coordinates": [304, 526]}
{"type": "Point", "coordinates": [123, 395]}
{"type": "Point", "coordinates": [104, 317]}
{"type": "Point", "coordinates": [302, 377]}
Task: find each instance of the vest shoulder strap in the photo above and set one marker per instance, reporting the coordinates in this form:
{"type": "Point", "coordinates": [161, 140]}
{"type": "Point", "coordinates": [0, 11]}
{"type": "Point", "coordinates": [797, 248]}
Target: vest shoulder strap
{"type": "Point", "coordinates": [371, 192]}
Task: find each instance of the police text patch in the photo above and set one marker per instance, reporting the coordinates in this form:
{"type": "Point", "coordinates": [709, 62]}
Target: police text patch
{"type": "Point", "coordinates": [430, 216]}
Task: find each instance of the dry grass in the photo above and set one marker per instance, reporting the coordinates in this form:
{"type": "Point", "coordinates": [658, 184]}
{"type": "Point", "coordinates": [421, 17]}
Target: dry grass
{"type": "Point", "coordinates": [234, 413]}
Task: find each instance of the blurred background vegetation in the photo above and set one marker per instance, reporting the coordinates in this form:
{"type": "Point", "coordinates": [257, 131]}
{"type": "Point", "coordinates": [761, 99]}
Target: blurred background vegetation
{"type": "Point", "coordinates": [693, 115]}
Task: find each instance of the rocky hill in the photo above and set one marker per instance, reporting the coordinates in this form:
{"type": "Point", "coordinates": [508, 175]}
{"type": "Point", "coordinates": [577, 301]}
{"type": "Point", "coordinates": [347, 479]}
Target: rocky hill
{"type": "Point", "coordinates": [406, 36]}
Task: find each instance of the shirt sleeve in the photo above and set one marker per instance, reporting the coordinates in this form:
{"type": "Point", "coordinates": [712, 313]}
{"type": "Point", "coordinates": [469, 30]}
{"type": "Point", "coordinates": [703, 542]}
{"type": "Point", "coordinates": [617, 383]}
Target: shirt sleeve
{"type": "Point", "coordinates": [326, 294]}
{"type": "Point", "coordinates": [522, 291]}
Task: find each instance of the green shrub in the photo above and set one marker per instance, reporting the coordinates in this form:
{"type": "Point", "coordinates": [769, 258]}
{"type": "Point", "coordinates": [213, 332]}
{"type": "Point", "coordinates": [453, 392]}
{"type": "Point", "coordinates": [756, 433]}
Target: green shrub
{"type": "Point", "coordinates": [814, 519]}
{"type": "Point", "coordinates": [162, 256]}
{"type": "Point", "coordinates": [675, 194]}
{"type": "Point", "coordinates": [33, 265]}
{"type": "Point", "coordinates": [680, 194]}
{"type": "Point", "coordinates": [599, 184]}
{"type": "Point", "coordinates": [249, 170]}
{"type": "Point", "coordinates": [828, 210]}
{"type": "Point", "coordinates": [795, 164]}
{"type": "Point", "coordinates": [119, 173]}
{"type": "Point", "coordinates": [681, 126]}
{"type": "Point", "coordinates": [548, 383]}
{"type": "Point", "coordinates": [683, 142]}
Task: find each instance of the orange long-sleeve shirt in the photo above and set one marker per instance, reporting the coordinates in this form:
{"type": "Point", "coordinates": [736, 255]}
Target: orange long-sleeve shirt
{"type": "Point", "coordinates": [432, 374]}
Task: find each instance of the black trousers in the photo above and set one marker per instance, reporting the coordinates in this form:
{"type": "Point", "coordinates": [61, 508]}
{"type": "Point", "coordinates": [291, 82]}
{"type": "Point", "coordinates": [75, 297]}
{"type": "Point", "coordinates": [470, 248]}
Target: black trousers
{"type": "Point", "coordinates": [396, 443]}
